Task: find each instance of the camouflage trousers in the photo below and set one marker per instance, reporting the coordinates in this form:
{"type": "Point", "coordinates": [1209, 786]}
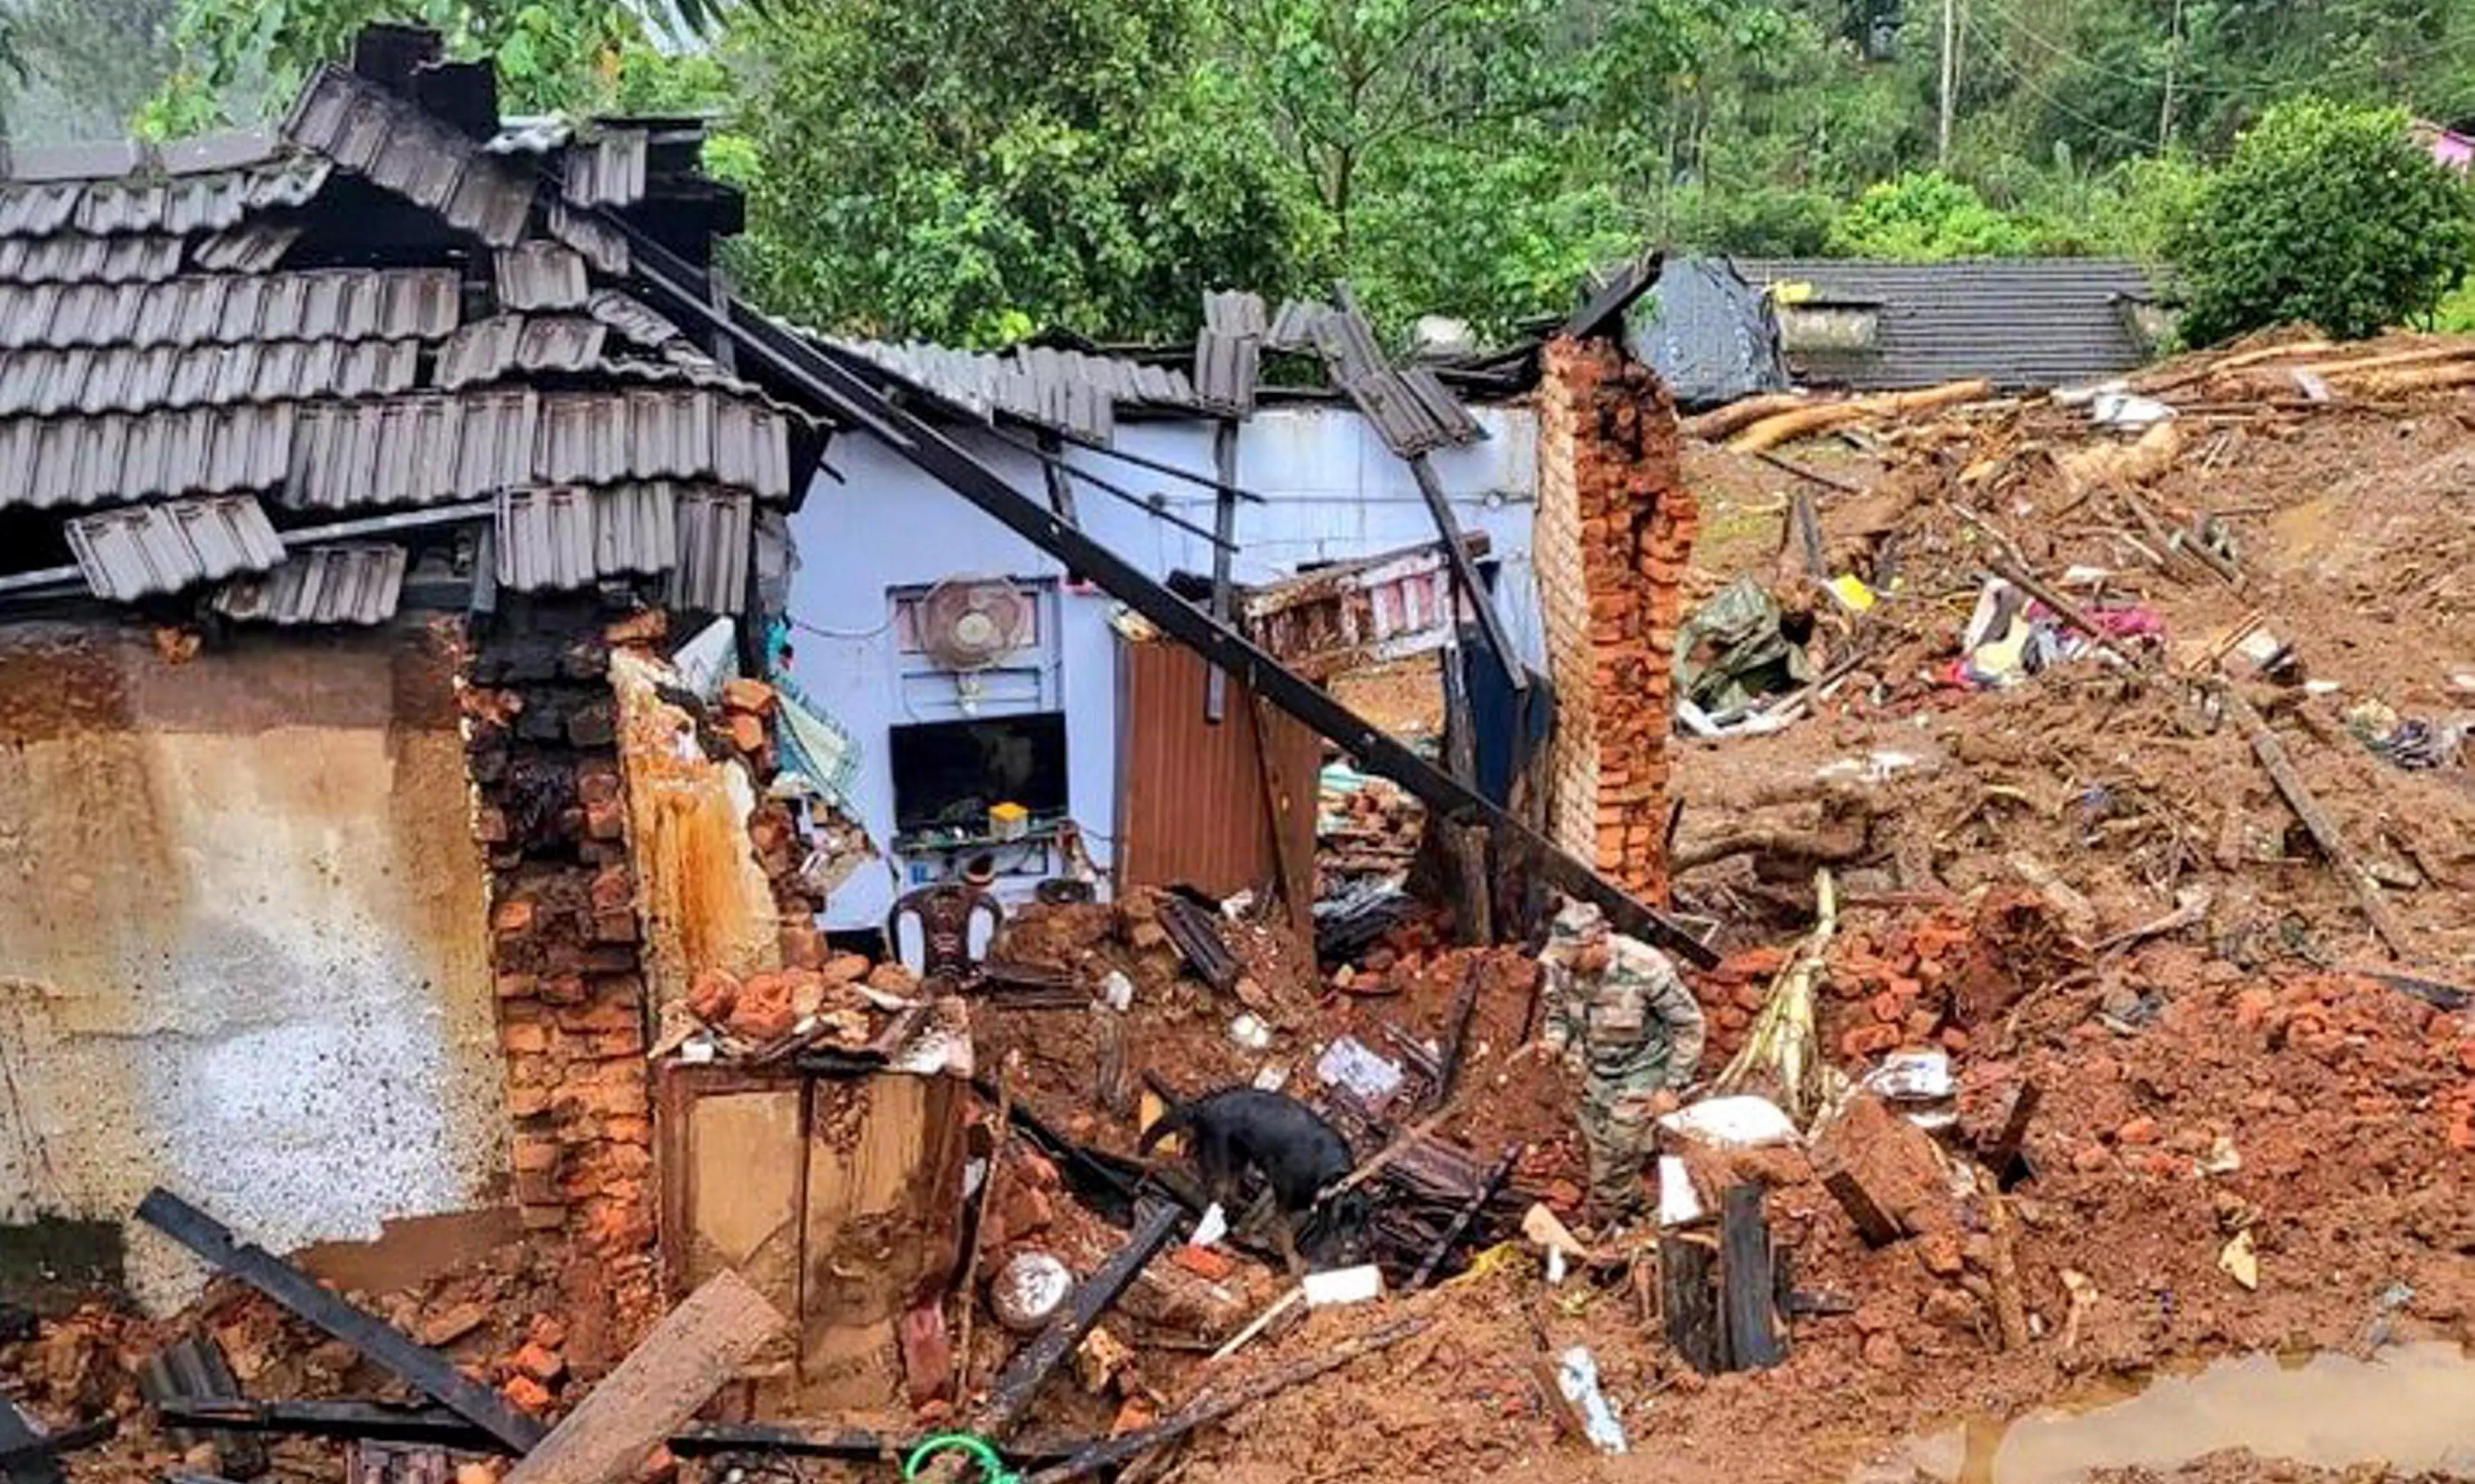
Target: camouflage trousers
{"type": "Point", "coordinates": [1620, 1133]}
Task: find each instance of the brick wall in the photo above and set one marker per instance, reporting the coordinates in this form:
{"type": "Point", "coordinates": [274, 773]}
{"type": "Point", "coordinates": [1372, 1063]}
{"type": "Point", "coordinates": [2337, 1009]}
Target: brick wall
{"type": "Point", "coordinates": [1614, 529]}
{"type": "Point", "coordinates": [540, 723]}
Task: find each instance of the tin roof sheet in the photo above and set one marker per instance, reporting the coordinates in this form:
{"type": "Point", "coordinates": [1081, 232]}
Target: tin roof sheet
{"type": "Point", "coordinates": [122, 379]}
{"type": "Point", "coordinates": [347, 583]}
{"type": "Point", "coordinates": [322, 304]}
{"type": "Point", "coordinates": [50, 462]}
{"type": "Point", "coordinates": [541, 276]}
{"type": "Point", "coordinates": [144, 549]}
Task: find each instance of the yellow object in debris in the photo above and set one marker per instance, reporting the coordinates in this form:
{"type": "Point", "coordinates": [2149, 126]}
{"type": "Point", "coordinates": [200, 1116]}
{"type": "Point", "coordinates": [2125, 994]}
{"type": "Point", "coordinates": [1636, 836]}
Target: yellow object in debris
{"type": "Point", "coordinates": [2239, 1261]}
{"type": "Point", "coordinates": [1852, 592]}
{"type": "Point", "coordinates": [1009, 821]}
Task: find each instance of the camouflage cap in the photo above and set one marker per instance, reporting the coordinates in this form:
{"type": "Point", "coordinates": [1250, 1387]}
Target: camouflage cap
{"type": "Point", "coordinates": [1577, 922]}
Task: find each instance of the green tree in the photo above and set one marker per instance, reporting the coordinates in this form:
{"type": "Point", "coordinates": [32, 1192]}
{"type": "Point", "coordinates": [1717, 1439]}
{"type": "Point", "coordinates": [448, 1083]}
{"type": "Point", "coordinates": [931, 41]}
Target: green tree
{"type": "Point", "coordinates": [975, 170]}
{"type": "Point", "coordinates": [1925, 217]}
{"type": "Point", "coordinates": [2326, 215]}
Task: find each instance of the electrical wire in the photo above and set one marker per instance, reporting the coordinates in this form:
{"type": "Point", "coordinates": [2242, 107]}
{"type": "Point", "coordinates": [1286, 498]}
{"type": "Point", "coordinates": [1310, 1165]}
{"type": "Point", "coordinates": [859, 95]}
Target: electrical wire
{"type": "Point", "coordinates": [2253, 89]}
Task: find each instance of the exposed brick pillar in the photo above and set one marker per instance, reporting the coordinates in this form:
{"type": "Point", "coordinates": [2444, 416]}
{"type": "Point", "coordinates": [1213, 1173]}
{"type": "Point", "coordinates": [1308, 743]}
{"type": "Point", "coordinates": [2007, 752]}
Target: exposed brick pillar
{"type": "Point", "coordinates": [1615, 527]}
{"type": "Point", "coordinates": [540, 733]}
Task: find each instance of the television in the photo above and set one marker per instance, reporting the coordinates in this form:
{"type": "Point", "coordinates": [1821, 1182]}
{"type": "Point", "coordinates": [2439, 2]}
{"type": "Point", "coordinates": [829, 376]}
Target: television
{"type": "Point", "coordinates": [946, 774]}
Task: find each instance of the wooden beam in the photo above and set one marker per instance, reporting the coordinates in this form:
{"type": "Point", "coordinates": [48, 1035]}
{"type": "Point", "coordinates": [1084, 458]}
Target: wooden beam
{"type": "Point", "coordinates": [1448, 1064]}
{"type": "Point", "coordinates": [2342, 858]}
{"type": "Point", "coordinates": [1688, 1300]}
{"type": "Point", "coordinates": [1876, 1228]}
{"type": "Point", "coordinates": [2005, 1157]}
{"type": "Point", "coordinates": [1224, 531]}
{"type": "Point", "coordinates": [384, 1421]}
{"type": "Point", "coordinates": [696, 1348]}
{"type": "Point", "coordinates": [422, 1368]}
{"type": "Point", "coordinates": [1463, 1218]}
{"type": "Point", "coordinates": [1468, 846]}
{"type": "Point", "coordinates": [1490, 624]}
{"type": "Point", "coordinates": [1753, 1341]}
{"type": "Point", "coordinates": [1292, 854]}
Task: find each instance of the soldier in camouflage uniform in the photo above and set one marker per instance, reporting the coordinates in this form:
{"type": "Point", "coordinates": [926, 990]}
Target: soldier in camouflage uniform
{"type": "Point", "coordinates": [1617, 1012]}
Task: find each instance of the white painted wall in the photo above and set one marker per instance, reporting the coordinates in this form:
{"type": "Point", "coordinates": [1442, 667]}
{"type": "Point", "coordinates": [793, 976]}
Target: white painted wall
{"type": "Point", "coordinates": [243, 941]}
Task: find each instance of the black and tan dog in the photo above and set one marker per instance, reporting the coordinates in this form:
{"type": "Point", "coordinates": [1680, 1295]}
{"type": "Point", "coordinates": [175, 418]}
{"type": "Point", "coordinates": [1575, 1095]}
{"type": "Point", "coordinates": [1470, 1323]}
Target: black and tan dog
{"type": "Point", "coordinates": [1238, 1130]}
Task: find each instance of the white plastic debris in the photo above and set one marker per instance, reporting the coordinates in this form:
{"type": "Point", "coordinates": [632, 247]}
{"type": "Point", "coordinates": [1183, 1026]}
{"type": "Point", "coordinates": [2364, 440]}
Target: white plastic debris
{"type": "Point", "coordinates": [709, 658]}
{"type": "Point", "coordinates": [1235, 907]}
{"type": "Point", "coordinates": [2117, 407]}
{"type": "Point", "coordinates": [1345, 1286]}
{"type": "Point", "coordinates": [1028, 1289]}
{"type": "Point", "coordinates": [1554, 1267]}
{"type": "Point", "coordinates": [1347, 1063]}
{"type": "Point", "coordinates": [1117, 991]}
{"type": "Point", "coordinates": [1577, 1377]}
{"type": "Point", "coordinates": [1210, 1226]}
{"type": "Point", "coordinates": [696, 1051]}
{"type": "Point", "coordinates": [1913, 1077]}
{"type": "Point", "coordinates": [1248, 1030]}
{"type": "Point", "coordinates": [1679, 1201]}
{"type": "Point", "coordinates": [1271, 1078]}
{"type": "Point", "coordinates": [1741, 1122]}
{"type": "Point", "coordinates": [1877, 766]}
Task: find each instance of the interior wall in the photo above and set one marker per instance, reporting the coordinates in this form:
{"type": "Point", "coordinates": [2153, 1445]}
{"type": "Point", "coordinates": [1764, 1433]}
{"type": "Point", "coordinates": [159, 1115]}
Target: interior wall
{"type": "Point", "coordinates": [243, 946]}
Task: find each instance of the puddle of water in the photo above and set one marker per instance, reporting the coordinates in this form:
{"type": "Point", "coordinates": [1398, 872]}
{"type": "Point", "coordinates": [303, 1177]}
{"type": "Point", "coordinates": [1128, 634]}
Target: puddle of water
{"type": "Point", "coordinates": [2413, 1409]}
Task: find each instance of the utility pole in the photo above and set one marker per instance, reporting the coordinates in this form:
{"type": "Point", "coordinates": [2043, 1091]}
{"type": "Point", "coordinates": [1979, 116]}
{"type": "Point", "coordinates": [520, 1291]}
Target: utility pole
{"type": "Point", "coordinates": [2174, 55]}
{"type": "Point", "coordinates": [1949, 77]}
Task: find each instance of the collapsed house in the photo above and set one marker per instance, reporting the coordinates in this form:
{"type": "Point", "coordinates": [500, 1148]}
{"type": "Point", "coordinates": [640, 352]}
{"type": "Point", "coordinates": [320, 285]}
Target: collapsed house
{"type": "Point", "coordinates": [418, 861]}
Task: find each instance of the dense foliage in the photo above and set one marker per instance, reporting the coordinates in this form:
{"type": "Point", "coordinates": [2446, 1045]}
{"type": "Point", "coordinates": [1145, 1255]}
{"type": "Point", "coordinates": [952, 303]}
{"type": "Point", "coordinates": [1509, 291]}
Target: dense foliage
{"type": "Point", "coordinates": [973, 170]}
{"type": "Point", "coordinates": [2324, 215]}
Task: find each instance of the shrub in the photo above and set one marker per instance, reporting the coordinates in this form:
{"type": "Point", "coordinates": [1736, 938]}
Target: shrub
{"type": "Point", "coordinates": [2326, 215]}
{"type": "Point", "coordinates": [1924, 217]}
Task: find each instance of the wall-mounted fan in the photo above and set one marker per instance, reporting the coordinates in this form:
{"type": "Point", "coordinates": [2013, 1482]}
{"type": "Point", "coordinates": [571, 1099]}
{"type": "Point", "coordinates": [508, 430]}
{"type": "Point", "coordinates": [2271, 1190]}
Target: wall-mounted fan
{"type": "Point", "coordinates": [973, 623]}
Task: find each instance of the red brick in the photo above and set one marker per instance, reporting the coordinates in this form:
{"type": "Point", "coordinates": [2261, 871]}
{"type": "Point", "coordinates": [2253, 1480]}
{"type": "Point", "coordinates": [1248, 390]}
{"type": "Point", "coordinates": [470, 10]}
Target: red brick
{"type": "Point", "coordinates": [617, 926]}
{"type": "Point", "coordinates": [746, 732]}
{"type": "Point", "coordinates": [2139, 1131]}
{"type": "Point", "coordinates": [803, 947]}
{"type": "Point", "coordinates": [605, 821]}
{"type": "Point", "coordinates": [1203, 1262]}
{"type": "Point", "coordinates": [540, 1362]}
{"type": "Point", "coordinates": [535, 1152]}
{"type": "Point", "coordinates": [527, 1393]}
{"type": "Point", "coordinates": [524, 1037]}
{"type": "Point", "coordinates": [613, 889]}
{"type": "Point", "coordinates": [1866, 1041]}
{"type": "Point", "coordinates": [517, 987]}
{"type": "Point", "coordinates": [563, 989]}
{"type": "Point", "coordinates": [513, 915]}
{"type": "Point", "coordinates": [744, 694]}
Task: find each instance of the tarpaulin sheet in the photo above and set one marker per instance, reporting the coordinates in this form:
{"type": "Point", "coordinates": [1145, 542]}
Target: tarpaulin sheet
{"type": "Point", "coordinates": [1709, 334]}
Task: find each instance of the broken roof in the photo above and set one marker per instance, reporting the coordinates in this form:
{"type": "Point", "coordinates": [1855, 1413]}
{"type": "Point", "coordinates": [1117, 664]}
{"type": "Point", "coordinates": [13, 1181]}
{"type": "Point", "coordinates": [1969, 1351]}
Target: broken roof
{"type": "Point", "coordinates": [193, 368]}
{"type": "Point", "coordinates": [2030, 322]}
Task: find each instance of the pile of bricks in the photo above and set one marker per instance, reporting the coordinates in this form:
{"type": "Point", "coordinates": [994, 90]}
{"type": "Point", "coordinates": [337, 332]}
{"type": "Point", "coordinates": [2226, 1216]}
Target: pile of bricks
{"type": "Point", "coordinates": [540, 728]}
{"type": "Point", "coordinates": [776, 832]}
{"type": "Point", "coordinates": [1614, 531]}
{"type": "Point", "coordinates": [1896, 983]}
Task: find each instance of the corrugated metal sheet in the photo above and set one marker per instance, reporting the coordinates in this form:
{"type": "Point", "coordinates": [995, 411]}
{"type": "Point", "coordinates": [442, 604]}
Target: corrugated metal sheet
{"type": "Point", "coordinates": [1235, 312]}
{"type": "Point", "coordinates": [571, 537]}
{"type": "Point", "coordinates": [119, 378]}
{"type": "Point", "coordinates": [129, 554]}
{"type": "Point", "coordinates": [253, 247]}
{"type": "Point", "coordinates": [371, 132]}
{"type": "Point", "coordinates": [602, 245]}
{"type": "Point", "coordinates": [715, 528]}
{"type": "Point", "coordinates": [354, 583]}
{"type": "Point", "coordinates": [115, 456]}
{"type": "Point", "coordinates": [1191, 804]}
{"type": "Point", "coordinates": [541, 276]}
{"type": "Point", "coordinates": [1225, 367]}
{"type": "Point", "coordinates": [73, 258]}
{"type": "Point", "coordinates": [2017, 322]}
{"type": "Point", "coordinates": [633, 320]}
{"type": "Point", "coordinates": [351, 304]}
{"type": "Point", "coordinates": [411, 450]}
{"type": "Point", "coordinates": [607, 168]}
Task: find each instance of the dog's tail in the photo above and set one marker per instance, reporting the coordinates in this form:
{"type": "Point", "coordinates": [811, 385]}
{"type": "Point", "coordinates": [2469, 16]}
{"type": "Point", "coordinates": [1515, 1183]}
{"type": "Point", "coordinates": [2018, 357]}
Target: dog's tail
{"type": "Point", "coordinates": [1177, 1120]}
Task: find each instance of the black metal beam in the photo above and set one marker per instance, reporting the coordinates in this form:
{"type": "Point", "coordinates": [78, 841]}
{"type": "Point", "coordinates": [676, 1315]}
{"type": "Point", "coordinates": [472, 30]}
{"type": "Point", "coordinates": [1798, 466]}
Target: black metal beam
{"type": "Point", "coordinates": [841, 392]}
{"type": "Point", "coordinates": [1224, 526]}
{"type": "Point", "coordinates": [418, 1365]}
{"type": "Point", "coordinates": [378, 1421]}
{"type": "Point", "coordinates": [1490, 624]}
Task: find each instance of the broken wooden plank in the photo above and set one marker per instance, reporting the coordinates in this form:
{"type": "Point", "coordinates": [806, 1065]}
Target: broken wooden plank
{"type": "Point", "coordinates": [1012, 1393]}
{"type": "Point", "coordinates": [1688, 1300]}
{"type": "Point", "coordinates": [696, 1347]}
{"type": "Point", "coordinates": [2431, 991]}
{"type": "Point", "coordinates": [390, 1421]}
{"type": "Point", "coordinates": [1208, 1409]}
{"type": "Point", "coordinates": [1292, 851]}
{"type": "Point", "coordinates": [1448, 1062]}
{"type": "Point", "coordinates": [1473, 912]}
{"type": "Point", "coordinates": [424, 1369]}
{"type": "Point", "coordinates": [1753, 1340]}
{"type": "Point", "coordinates": [1467, 1215]}
{"type": "Point", "coordinates": [2062, 607]}
{"type": "Point", "coordinates": [196, 1367]}
{"type": "Point", "coordinates": [1789, 466]}
{"type": "Point", "coordinates": [2298, 796]}
{"type": "Point", "coordinates": [1875, 1227]}
{"type": "Point", "coordinates": [2010, 1308]}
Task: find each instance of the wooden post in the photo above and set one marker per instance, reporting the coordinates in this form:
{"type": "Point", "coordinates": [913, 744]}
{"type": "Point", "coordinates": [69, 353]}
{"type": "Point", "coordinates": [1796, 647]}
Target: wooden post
{"type": "Point", "coordinates": [1224, 527]}
{"type": "Point", "coordinates": [2005, 1158]}
{"type": "Point", "coordinates": [2342, 858]}
{"type": "Point", "coordinates": [1468, 844]}
{"type": "Point", "coordinates": [1293, 855]}
{"type": "Point", "coordinates": [1689, 1302]}
{"type": "Point", "coordinates": [1753, 1341]}
{"type": "Point", "coordinates": [1876, 1228]}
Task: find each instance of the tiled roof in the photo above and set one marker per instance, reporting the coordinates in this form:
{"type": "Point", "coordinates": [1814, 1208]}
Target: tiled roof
{"type": "Point", "coordinates": [180, 204]}
{"type": "Point", "coordinates": [122, 456]}
{"type": "Point", "coordinates": [354, 583]}
{"type": "Point", "coordinates": [146, 550]}
{"type": "Point", "coordinates": [127, 378]}
{"type": "Point", "coordinates": [2017, 322]}
{"type": "Point", "coordinates": [370, 132]}
{"type": "Point", "coordinates": [348, 304]}
{"type": "Point", "coordinates": [1071, 391]}
{"type": "Point", "coordinates": [541, 276]}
